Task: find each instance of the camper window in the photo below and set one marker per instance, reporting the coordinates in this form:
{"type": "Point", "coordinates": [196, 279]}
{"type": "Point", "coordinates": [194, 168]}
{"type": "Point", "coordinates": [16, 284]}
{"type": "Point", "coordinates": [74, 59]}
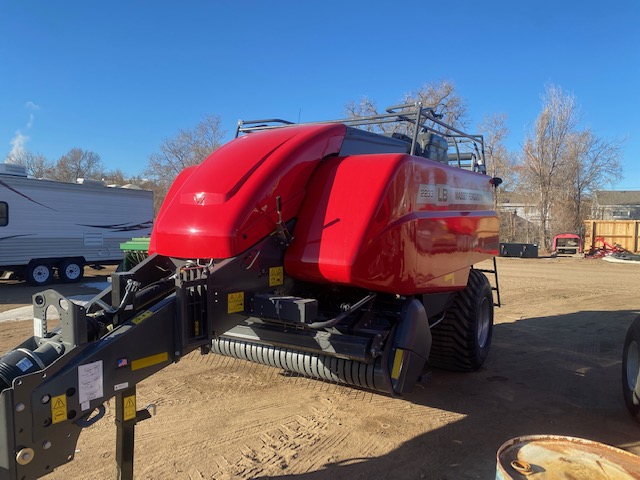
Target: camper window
{"type": "Point", "coordinates": [4, 214]}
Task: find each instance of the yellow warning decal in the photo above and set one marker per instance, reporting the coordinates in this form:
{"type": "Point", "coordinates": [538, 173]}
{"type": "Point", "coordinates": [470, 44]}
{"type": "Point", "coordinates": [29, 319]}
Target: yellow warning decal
{"type": "Point", "coordinates": [196, 328]}
{"type": "Point", "coordinates": [129, 408]}
{"type": "Point", "coordinates": [59, 409]}
{"type": "Point", "coordinates": [149, 361]}
{"type": "Point", "coordinates": [137, 319]}
{"type": "Point", "coordinates": [276, 276]}
{"type": "Point", "coordinates": [397, 364]}
{"type": "Point", "coordinates": [235, 302]}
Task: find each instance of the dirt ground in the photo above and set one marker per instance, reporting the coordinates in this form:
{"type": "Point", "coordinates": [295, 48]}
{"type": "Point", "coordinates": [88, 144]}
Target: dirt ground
{"type": "Point", "coordinates": [554, 368]}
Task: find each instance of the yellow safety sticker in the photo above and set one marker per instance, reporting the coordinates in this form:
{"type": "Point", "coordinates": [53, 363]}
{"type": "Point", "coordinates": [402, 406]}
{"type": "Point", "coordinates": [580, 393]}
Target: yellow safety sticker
{"type": "Point", "coordinates": [149, 361]}
{"type": "Point", "coordinates": [137, 319]}
{"type": "Point", "coordinates": [235, 302]}
{"type": "Point", "coordinates": [59, 409]}
{"type": "Point", "coordinates": [397, 364]}
{"type": "Point", "coordinates": [276, 276]}
{"type": "Point", "coordinates": [196, 328]}
{"type": "Point", "coordinates": [129, 408]}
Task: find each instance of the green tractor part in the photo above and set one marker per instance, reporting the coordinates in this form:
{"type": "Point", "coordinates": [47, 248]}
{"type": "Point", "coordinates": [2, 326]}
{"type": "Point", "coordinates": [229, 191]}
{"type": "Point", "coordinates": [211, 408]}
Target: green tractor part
{"type": "Point", "coordinates": [135, 251]}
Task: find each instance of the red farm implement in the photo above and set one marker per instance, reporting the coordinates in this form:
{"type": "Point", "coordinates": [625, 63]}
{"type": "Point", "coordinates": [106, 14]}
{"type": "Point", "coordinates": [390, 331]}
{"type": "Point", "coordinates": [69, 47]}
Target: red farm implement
{"type": "Point", "coordinates": [343, 250]}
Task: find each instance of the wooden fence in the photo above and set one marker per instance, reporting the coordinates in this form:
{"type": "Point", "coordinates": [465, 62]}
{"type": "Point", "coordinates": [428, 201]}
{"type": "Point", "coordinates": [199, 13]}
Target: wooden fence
{"type": "Point", "coordinates": [622, 232]}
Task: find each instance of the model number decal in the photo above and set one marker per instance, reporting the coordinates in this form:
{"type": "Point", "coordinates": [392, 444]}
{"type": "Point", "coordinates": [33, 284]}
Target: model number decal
{"type": "Point", "coordinates": [446, 195]}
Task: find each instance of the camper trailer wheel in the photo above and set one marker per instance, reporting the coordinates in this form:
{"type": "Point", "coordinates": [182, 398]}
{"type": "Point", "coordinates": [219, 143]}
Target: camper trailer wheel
{"type": "Point", "coordinates": [461, 341]}
{"type": "Point", "coordinates": [38, 273]}
{"type": "Point", "coordinates": [71, 270]}
{"type": "Point", "coordinates": [631, 369]}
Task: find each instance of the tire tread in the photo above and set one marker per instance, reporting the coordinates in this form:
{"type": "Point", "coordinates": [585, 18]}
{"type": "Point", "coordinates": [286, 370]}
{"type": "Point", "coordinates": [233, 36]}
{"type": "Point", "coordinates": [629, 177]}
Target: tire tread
{"type": "Point", "coordinates": [454, 346]}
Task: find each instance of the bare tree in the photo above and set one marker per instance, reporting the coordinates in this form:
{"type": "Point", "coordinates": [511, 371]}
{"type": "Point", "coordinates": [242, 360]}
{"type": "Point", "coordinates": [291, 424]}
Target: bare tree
{"type": "Point", "coordinates": [142, 182]}
{"type": "Point", "coordinates": [500, 162]}
{"type": "Point", "coordinates": [78, 163]}
{"type": "Point", "coordinates": [545, 151]}
{"type": "Point", "coordinates": [37, 165]}
{"type": "Point", "coordinates": [442, 97]}
{"type": "Point", "coordinates": [591, 163]}
{"type": "Point", "coordinates": [187, 148]}
{"type": "Point", "coordinates": [364, 107]}
{"type": "Point", "coordinates": [118, 177]}
{"type": "Point", "coordinates": [115, 177]}
{"type": "Point", "coordinates": [495, 132]}
{"type": "Point", "coordinates": [563, 164]}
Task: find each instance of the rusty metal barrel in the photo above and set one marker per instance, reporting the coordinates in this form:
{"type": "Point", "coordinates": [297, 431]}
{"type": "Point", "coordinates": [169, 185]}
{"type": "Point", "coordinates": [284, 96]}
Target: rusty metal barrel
{"type": "Point", "coordinates": [553, 457]}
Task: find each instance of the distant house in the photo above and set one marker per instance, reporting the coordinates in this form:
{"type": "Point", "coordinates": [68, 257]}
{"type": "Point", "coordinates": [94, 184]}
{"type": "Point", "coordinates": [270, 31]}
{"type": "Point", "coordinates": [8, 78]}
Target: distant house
{"type": "Point", "coordinates": [523, 206]}
{"type": "Point", "coordinates": [616, 205]}
{"type": "Point", "coordinates": [519, 218]}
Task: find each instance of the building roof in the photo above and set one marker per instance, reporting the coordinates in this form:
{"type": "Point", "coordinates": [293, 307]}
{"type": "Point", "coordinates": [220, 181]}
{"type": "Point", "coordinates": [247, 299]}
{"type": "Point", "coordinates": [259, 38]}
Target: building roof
{"type": "Point", "coordinates": [618, 197]}
{"type": "Point", "coordinates": [514, 198]}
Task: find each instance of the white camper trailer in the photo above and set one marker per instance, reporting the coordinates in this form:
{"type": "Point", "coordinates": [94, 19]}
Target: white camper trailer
{"type": "Point", "coordinates": [49, 227]}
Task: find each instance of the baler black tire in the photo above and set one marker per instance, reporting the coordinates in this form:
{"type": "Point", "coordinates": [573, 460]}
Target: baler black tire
{"type": "Point", "coordinates": [461, 341]}
{"type": "Point", "coordinates": [631, 368]}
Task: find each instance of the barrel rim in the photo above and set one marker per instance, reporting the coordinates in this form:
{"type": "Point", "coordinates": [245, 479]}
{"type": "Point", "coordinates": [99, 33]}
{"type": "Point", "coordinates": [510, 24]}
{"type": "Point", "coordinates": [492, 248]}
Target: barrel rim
{"type": "Point", "coordinates": [541, 439]}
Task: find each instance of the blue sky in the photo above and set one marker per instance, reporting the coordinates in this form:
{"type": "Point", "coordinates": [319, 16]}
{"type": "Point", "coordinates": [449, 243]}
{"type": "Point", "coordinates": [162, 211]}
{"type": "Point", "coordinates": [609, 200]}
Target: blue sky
{"type": "Point", "coordinates": [118, 77]}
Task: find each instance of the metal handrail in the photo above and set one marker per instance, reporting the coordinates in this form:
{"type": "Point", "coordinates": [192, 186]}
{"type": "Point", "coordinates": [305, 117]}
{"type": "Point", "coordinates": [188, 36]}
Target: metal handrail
{"type": "Point", "coordinates": [414, 114]}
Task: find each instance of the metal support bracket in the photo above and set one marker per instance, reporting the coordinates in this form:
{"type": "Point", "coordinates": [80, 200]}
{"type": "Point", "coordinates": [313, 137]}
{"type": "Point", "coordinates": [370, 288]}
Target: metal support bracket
{"type": "Point", "coordinates": [126, 419]}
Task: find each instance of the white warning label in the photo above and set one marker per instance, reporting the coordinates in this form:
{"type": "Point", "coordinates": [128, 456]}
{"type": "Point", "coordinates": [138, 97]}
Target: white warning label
{"type": "Point", "coordinates": [90, 382]}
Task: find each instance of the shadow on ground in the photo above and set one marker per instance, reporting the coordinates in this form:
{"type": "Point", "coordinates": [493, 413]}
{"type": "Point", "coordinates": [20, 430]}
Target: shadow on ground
{"type": "Point", "coordinates": [17, 292]}
{"type": "Point", "coordinates": [548, 375]}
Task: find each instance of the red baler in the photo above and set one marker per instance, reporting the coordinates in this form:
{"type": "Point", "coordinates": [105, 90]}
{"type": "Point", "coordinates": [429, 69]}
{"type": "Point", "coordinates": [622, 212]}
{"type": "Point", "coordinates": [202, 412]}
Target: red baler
{"type": "Point", "coordinates": [340, 250]}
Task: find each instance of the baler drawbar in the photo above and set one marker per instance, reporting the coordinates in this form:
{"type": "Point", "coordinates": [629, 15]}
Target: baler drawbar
{"type": "Point", "coordinates": [340, 250]}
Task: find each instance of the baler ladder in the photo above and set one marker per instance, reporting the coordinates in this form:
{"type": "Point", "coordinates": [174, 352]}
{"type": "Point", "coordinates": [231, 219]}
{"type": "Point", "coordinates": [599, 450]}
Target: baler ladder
{"type": "Point", "coordinates": [495, 275]}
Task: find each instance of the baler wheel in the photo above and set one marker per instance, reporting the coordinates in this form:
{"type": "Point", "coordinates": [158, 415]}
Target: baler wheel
{"type": "Point", "coordinates": [631, 369]}
{"type": "Point", "coordinates": [461, 341]}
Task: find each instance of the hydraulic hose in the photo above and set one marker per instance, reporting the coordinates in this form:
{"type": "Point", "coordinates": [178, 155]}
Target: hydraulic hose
{"type": "Point", "coordinates": [334, 321]}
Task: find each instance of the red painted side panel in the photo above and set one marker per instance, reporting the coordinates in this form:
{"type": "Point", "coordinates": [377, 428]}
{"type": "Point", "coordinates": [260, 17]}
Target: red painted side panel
{"type": "Point", "coordinates": [168, 200]}
{"type": "Point", "coordinates": [393, 223]}
{"type": "Point", "coordinates": [227, 203]}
